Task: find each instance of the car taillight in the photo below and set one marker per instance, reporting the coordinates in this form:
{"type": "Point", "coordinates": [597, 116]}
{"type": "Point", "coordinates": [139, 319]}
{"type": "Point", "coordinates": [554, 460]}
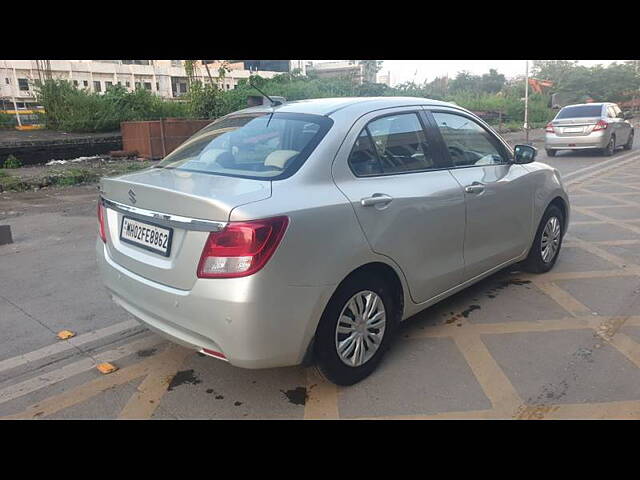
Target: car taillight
{"type": "Point", "coordinates": [601, 125]}
{"type": "Point", "coordinates": [242, 248]}
{"type": "Point", "coordinates": [101, 231]}
{"type": "Point", "coordinates": [549, 128]}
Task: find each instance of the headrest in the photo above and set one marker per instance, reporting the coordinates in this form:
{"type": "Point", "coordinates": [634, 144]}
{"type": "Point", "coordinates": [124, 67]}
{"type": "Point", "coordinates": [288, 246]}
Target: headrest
{"type": "Point", "coordinates": [279, 158]}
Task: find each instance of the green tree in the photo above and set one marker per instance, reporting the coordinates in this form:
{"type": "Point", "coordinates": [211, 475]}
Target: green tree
{"type": "Point", "coordinates": [465, 82]}
{"type": "Point", "coordinates": [492, 82]}
{"type": "Point", "coordinates": [371, 69]}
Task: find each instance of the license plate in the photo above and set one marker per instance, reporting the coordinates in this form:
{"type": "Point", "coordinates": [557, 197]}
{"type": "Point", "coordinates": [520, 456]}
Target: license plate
{"type": "Point", "coordinates": [146, 235]}
{"type": "Point", "coordinates": [573, 130]}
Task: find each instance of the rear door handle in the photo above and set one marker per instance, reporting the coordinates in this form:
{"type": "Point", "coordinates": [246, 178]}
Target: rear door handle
{"type": "Point", "coordinates": [375, 199]}
{"type": "Point", "coordinates": [475, 187]}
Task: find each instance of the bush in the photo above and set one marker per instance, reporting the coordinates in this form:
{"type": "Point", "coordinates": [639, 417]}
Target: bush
{"type": "Point", "coordinates": [7, 120]}
{"type": "Point", "coordinates": [71, 109]}
{"type": "Point", "coordinates": [12, 162]}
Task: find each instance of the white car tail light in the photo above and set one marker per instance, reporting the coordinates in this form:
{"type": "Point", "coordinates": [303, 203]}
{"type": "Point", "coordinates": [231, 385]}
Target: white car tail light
{"type": "Point", "coordinates": [601, 125]}
{"type": "Point", "coordinates": [241, 249]}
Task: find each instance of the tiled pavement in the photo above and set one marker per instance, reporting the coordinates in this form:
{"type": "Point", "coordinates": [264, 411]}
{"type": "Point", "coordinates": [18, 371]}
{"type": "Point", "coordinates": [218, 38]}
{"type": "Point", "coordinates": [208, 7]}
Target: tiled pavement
{"type": "Point", "coordinates": [565, 344]}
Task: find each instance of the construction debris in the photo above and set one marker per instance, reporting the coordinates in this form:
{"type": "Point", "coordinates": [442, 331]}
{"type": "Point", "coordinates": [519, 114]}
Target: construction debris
{"type": "Point", "coordinates": [106, 368]}
{"type": "Point", "coordinates": [65, 334]}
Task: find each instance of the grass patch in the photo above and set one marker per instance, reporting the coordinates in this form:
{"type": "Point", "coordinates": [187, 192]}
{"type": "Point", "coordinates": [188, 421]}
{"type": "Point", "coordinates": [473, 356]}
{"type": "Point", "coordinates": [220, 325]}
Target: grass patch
{"type": "Point", "coordinates": [65, 177]}
{"type": "Point", "coordinates": [10, 183]}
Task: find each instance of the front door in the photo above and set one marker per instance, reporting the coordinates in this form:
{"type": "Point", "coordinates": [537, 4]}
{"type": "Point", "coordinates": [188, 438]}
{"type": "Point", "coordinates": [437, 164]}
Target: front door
{"type": "Point", "coordinates": [497, 192]}
{"type": "Point", "coordinates": [409, 206]}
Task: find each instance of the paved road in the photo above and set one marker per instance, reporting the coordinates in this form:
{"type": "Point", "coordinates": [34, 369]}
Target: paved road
{"type": "Point", "coordinates": [565, 344]}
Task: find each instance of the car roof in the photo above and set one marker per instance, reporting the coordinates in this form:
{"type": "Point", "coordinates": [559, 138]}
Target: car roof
{"type": "Point", "coordinates": [590, 104]}
{"type": "Point", "coordinates": [328, 106]}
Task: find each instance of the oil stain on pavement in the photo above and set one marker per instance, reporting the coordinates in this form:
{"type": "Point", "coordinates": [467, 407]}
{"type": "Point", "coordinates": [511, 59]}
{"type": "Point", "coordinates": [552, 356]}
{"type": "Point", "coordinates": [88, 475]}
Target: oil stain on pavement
{"type": "Point", "coordinates": [297, 396]}
{"type": "Point", "coordinates": [183, 377]}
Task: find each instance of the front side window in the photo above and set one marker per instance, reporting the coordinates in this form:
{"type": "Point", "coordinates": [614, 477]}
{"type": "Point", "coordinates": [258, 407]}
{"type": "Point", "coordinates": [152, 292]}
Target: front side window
{"type": "Point", "coordinates": [392, 144]}
{"type": "Point", "coordinates": [469, 144]}
{"type": "Point", "coordinates": [264, 146]}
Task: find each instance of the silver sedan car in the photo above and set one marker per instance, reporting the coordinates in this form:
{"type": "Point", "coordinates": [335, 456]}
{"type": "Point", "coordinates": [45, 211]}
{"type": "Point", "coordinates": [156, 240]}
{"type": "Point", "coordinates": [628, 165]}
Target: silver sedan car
{"type": "Point", "coordinates": [600, 126]}
{"type": "Point", "coordinates": [306, 232]}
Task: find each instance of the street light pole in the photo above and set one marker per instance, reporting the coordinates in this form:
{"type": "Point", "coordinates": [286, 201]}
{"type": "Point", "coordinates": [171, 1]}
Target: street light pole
{"type": "Point", "coordinates": [526, 103]}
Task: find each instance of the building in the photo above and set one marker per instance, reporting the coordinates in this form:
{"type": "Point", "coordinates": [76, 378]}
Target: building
{"type": "Point", "coordinates": [166, 78]}
{"type": "Point", "coordinates": [345, 68]}
{"type": "Point", "coordinates": [384, 78]}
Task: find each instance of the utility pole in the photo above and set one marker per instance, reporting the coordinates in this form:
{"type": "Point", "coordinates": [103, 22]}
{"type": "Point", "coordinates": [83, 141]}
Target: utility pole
{"type": "Point", "coordinates": [526, 103]}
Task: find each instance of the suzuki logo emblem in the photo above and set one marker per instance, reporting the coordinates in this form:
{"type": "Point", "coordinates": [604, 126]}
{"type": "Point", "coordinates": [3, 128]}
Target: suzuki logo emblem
{"type": "Point", "coordinates": [132, 196]}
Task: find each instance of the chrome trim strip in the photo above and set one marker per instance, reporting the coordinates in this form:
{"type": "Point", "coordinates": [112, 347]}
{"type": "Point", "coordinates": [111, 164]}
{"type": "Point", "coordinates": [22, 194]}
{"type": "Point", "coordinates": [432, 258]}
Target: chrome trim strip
{"type": "Point", "coordinates": [166, 219]}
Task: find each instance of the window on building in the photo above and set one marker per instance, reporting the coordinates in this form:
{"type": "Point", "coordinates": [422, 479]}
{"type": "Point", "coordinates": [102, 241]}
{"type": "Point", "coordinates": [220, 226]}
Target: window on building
{"type": "Point", "coordinates": [96, 86]}
{"type": "Point", "coordinates": [138, 85]}
{"type": "Point", "coordinates": [75, 83]}
{"type": "Point", "coordinates": [85, 83]}
{"type": "Point", "coordinates": [23, 84]}
{"type": "Point", "coordinates": [119, 83]}
{"type": "Point", "coordinates": [157, 86]}
{"type": "Point", "coordinates": [7, 81]}
{"type": "Point", "coordinates": [176, 63]}
{"type": "Point", "coordinates": [147, 85]}
{"type": "Point", "coordinates": [135, 62]}
{"type": "Point", "coordinates": [108, 84]}
{"type": "Point", "coordinates": [127, 84]}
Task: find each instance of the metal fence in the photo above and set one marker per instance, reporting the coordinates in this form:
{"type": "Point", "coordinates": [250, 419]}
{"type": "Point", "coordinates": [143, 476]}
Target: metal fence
{"type": "Point", "coordinates": [155, 139]}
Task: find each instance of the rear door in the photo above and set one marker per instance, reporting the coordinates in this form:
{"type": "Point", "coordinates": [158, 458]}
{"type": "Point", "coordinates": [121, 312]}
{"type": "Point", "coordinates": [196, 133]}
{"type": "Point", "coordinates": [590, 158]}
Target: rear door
{"type": "Point", "coordinates": [497, 193]}
{"type": "Point", "coordinates": [409, 206]}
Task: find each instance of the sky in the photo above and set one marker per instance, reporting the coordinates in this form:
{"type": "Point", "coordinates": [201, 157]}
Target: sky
{"type": "Point", "coordinates": [421, 70]}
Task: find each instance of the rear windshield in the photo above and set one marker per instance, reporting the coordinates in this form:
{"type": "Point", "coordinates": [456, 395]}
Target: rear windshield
{"type": "Point", "coordinates": [580, 111]}
{"type": "Point", "coordinates": [261, 146]}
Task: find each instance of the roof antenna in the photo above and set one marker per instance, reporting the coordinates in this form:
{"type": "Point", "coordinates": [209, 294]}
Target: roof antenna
{"type": "Point", "coordinates": [273, 102]}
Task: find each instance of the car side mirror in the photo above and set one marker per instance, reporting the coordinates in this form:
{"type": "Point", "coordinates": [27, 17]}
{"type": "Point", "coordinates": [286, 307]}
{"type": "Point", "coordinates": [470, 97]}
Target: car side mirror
{"type": "Point", "coordinates": [524, 154]}
{"type": "Point", "coordinates": [627, 115]}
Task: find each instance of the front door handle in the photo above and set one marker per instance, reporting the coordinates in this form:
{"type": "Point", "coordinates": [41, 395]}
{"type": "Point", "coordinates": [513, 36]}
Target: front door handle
{"type": "Point", "coordinates": [375, 199]}
{"type": "Point", "coordinates": [475, 187]}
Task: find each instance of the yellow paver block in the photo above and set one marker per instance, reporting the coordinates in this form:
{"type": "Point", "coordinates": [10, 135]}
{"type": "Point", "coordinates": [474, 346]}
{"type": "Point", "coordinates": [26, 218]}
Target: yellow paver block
{"type": "Point", "coordinates": [106, 367]}
{"type": "Point", "coordinates": [64, 334]}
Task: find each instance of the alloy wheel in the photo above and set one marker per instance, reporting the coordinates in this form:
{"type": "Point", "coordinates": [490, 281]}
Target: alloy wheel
{"type": "Point", "coordinates": [550, 241]}
{"type": "Point", "coordinates": [360, 328]}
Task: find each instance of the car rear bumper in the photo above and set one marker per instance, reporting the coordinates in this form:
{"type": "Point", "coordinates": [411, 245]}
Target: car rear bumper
{"type": "Point", "coordinates": [252, 321]}
{"type": "Point", "coordinates": [593, 140]}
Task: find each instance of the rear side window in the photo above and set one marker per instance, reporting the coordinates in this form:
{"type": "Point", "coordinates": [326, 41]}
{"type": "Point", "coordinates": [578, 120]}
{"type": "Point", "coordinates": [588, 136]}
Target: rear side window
{"type": "Point", "coordinates": [580, 111]}
{"type": "Point", "coordinates": [265, 146]}
{"type": "Point", "coordinates": [392, 144]}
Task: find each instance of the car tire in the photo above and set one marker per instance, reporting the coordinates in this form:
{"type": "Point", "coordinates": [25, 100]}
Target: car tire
{"type": "Point", "coordinates": [549, 231]}
{"type": "Point", "coordinates": [610, 148]}
{"type": "Point", "coordinates": [551, 153]}
{"type": "Point", "coordinates": [629, 144]}
{"type": "Point", "coordinates": [330, 363]}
